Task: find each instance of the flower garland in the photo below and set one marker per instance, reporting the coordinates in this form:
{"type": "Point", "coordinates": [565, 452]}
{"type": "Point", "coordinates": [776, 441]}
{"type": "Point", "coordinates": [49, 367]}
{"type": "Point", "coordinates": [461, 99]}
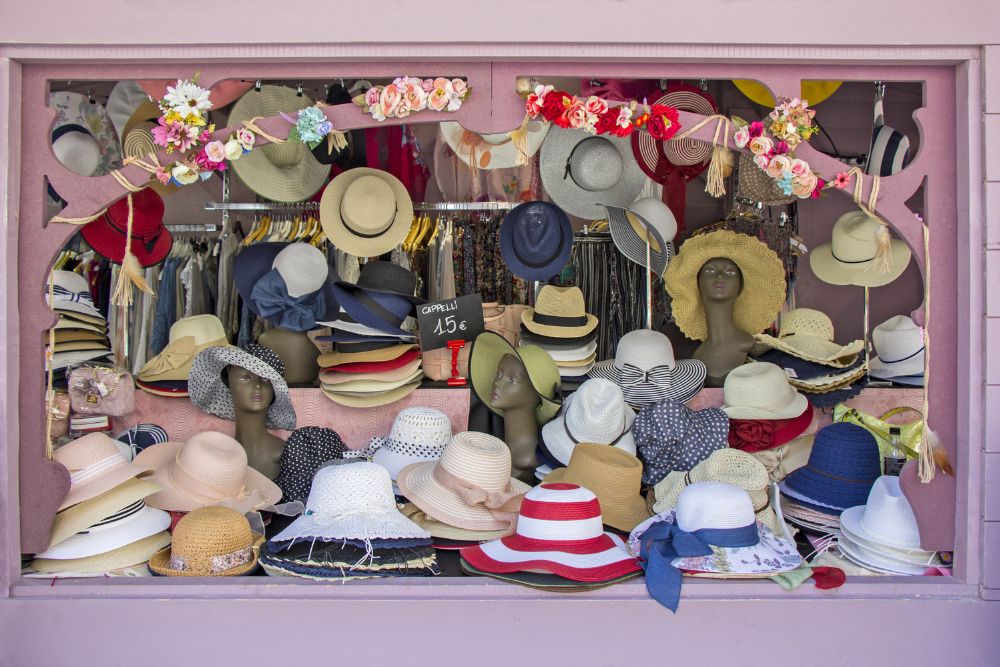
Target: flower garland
{"type": "Point", "coordinates": [773, 147]}
{"type": "Point", "coordinates": [407, 94]}
{"type": "Point", "coordinates": [596, 116]}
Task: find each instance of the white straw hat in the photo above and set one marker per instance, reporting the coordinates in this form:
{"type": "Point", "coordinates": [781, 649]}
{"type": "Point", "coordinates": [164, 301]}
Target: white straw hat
{"type": "Point", "coordinates": [594, 413]}
{"type": "Point", "coordinates": [849, 258]}
{"type": "Point", "coordinates": [761, 391]}
{"type": "Point", "coordinates": [134, 553]}
{"type": "Point", "coordinates": [899, 346]}
{"type": "Point", "coordinates": [885, 521]}
{"type": "Point", "coordinates": [95, 465]}
{"type": "Point", "coordinates": [366, 212]}
{"type": "Point", "coordinates": [127, 525]}
{"type": "Point", "coordinates": [83, 515]}
{"type": "Point", "coordinates": [417, 435]}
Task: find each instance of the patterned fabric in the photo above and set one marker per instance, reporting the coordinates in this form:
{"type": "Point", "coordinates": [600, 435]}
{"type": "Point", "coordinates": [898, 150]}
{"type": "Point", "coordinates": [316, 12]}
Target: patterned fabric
{"type": "Point", "coordinates": [670, 436]}
{"type": "Point", "coordinates": [307, 450]}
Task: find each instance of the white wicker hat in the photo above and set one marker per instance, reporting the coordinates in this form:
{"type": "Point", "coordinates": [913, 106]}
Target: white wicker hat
{"type": "Point", "coordinates": [595, 413]}
{"type": "Point", "coordinates": [808, 334]}
{"type": "Point", "coordinates": [417, 435]}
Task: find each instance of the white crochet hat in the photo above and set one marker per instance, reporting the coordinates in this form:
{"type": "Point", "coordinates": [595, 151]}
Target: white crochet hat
{"type": "Point", "coordinates": [417, 435]}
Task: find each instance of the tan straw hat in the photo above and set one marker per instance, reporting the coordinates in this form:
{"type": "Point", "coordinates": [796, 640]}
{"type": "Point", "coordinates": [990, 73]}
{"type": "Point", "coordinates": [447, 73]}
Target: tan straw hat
{"type": "Point", "coordinates": [759, 300]}
{"type": "Point", "coordinates": [366, 212]}
{"type": "Point", "coordinates": [209, 542]}
{"type": "Point", "coordinates": [83, 515]}
{"type": "Point", "coordinates": [95, 465]}
{"type": "Point", "coordinates": [559, 312]}
{"type": "Point", "coordinates": [137, 138]}
{"type": "Point", "coordinates": [808, 334]}
{"type": "Point", "coordinates": [362, 387]}
{"type": "Point", "coordinates": [126, 556]}
{"type": "Point", "coordinates": [372, 399]}
{"type": "Point", "coordinates": [850, 257]}
{"type": "Point", "coordinates": [285, 172]}
{"type": "Point", "coordinates": [188, 337]}
{"type": "Point", "coordinates": [210, 468]}
{"type": "Point", "coordinates": [761, 391]}
{"type": "Point", "coordinates": [615, 477]}
{"type": "Point", "coordinates": [469, 487]}
{"type": "Point", "coordinates": [443, 530]}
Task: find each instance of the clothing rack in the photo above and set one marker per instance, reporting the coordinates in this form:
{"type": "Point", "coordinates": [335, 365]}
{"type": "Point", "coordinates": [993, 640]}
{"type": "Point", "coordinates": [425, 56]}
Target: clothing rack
{"type": "Point", "coordinates": [260, 206]}
{"type": "Point", "coordinates": [199, 227]}
{"type": "Point", "coordinates": [465, 206]}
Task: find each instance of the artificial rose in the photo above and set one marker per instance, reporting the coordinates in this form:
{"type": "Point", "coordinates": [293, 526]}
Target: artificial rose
{"type": "Point", "coordinates": [761, 161]}
{"type": "Point", "coordinates": [460, 87]}
{"type": "Point", "coordinates": [371, 96]}
{"type": "Point", "coordinates": [606, 122]}
{"type": "Point", "coordinates": [658, 127]}
{"type": "Point", "coordinates": [751, 435]}
{"type": "Point", "coordinates": [388, 100]}
{"type": "Point", "coordinates": [800, 118]}
{"type": "Point", "coordinates": [780, 148]}
{"type": "Point", "coordinates": [742, 137]}
{"type": "Point", "coordinates": [415, 96]}
{"type": "Point", "coordinates": [777, 128]}
{"type": "Point", "coordinates": [183, 174]}
{"type": "Point", "coordinates": [215, 151]}
{"type": "Point", "coordinates": [670, 118]}
{"type": "Point", "coordinates": [246, 138]}
{"type": "Point", "coordinates": [575, 115]}
{"type": "Point", "coordinates": [233, 150]}
{"type": "Point", "coordinates": [756, 129]}
{"type": "Point", "coordinates": [555, 103]}
{"type": "Point", "coordinates": [799, 167]}
{"type": "Point", "coordinates": [778, 165]}
{"type": "Point", "coordinates": [820, 184]}
{"type": "Point", "coordinates": [761, 145]}
{"type": "Point", "coordinates": [442, 82]}
{"type": "Point", "coordinates": [207, 164]}
{"type": "Point", "coordinates": [403, 108]}
{"type": "Point", "coordinates": [803, 185]}
{"type": "Point", "coordinates": [438, 99]}
{"type": "Point", "coordinates": [596, 105]}
{"type": "Point", "coordinates": [793, 140]}
{"type": "Point", "coordinates": [162, 175]}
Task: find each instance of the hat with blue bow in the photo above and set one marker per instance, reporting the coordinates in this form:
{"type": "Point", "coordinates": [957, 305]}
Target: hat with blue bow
{"type": "Point", "coordinates": [288, 284]}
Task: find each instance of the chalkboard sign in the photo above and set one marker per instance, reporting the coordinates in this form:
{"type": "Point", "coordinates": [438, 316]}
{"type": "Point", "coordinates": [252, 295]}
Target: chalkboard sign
{"type": "Point", "coordinates": [451, 319]}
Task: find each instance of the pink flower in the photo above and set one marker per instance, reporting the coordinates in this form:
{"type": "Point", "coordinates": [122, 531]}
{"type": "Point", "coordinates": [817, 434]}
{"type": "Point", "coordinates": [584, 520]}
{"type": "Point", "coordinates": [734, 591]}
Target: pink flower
{"type": "Point", "coordinates": [246, 138]}
{"type": "Point", "coordinates": [575, 115]}
{"type": "Point", "coordinates": [162, 175]}
{"type": "Point", "coordinates": [460, 87]}
{"type": "Point", "coordinates": [388, 100]}
{"type": "Point", "coordinates": [780, 148]}
{"type": "Point", "coordinates": [842, 180]}
{"type": "Point", "coordinates": [403, 108]}
{"type": "Point", "coordinates": [820, 184]}
{"type": "Point", "coordinates": [596, 105]}
{"type": "Point", "coordinates": [756, 129]}
{"type": "Point", "coordinates": [803, 185]}
{"type": "Point", "coordinates": [372, 96]}
{"type": "Point", "coordinates": [442, 82]}
{"type": "Point", "coordinates": [624, 117]}
{"type": "Point", "coordinates": [761, 145]}
{"type": "Point", "coordinates": [742, 137]}
{"type": "Point", "coordinates": [216, 151]}
{"type": "Point", "coordinates": [533, 105]}
{"type": "Point", "coordinates": [206, 163]}
{"type": "Point", "coordinates": [799, 167]}
{"type": "Point", "coordinates": [204, 136]}
{"type": "Point", "coordinates": [427, 85]}
{"type": "Point", "coordinates": [760, 161]}
{"type": "Point", "coordinates": [415, 96]}
{"type": "Point", "coordinates": [778, 165]}
{"type": "Point", "coordinates": [438, 99]}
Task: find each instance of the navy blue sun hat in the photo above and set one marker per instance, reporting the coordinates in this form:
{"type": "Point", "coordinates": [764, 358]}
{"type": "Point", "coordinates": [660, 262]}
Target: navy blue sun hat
{"type": "Point", "coordinates": [535, 240]}
{"type": "Point", "coordinates": [843, 466]}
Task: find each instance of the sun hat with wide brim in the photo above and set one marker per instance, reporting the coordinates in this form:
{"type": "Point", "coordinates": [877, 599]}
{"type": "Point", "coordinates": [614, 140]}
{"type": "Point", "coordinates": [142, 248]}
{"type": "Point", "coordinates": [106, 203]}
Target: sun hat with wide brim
{"type": "Point", "coordinates": [366, 388]}
{"type": "Point", "coordinates": [582, 173]}
{"type": "Point", "coordinates": [886, 521]}
{"type": "Point", "coordinates": [808, 334]}
{"type": "Point", "coordinates": [372, 400]}
{"type": "Point", "coordinates": [209, 542]}
{"type": "Point", "coordinates": [444, 531]}
{"type": "Point", "coordinates": [95, 466]}
{"type": "Point", "coordinates": [844, 464]}
{"type": "Point", "coordinates": [150, 241]}
{"type": "Point", "coordinates": [126, 556]}
{"type": "Point", "coordinates": [559, 312]}
{"type": "Point", "coordinates": [876, 561]}
{"type": "Point", "coordinates": [543, 581]}
{"type": "Point", "coordinates": [366, 212]}
{"type": "Point", "coordinates": [687, 157]}
{"type": "Point", "coordinates": [76, 109]}
{"type": "Point", "coordinates": [536, 239]}
{"type": "Point", "coordinates": [763, 291]}
{"type": "Point", "coordinates": [285, 172]}
{"type": "Point", "coordinates": [646, 220]}
{"type": "Point", "coordinates": [188, 336]}
{"type": "Point", "coordinates": [334, 378]}
{"type": "Point", "coordinates": [813, 92]}
{"type": "Point", "coordinates": [490, 348]}
{"type": "Point", "coordinates": [125, 526]}
{"type": "Point", "coordinates": [493, 151]}
{"type": "Point", "coordinates": [333, 359]}
{"type": "Point", "coordinates": [211, 394]}
{"type": "Point", "coordinates": [81, 516]}
{"type": "Point", "coordinates": [850, 256]}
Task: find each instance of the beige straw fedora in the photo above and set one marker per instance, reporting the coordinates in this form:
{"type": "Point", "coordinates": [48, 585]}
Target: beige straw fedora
{"type": "Point", "coordinates": [81, 516]}
{"type": "Point", "coordinates": [469, 487]}
{"type": "Point", "coordinates": [615, 477]}
{"type": "Point", "coordinates": [209, 542]}
{"type": "Point", "coordinates": [366, 212]}
{"type": "Point", "coordinates": [95, 466]}
{"type": "Point", "coordinates": [761, 391]}
{"type": "Point", "coordinates": [849, 257]}
{"type": "Point", "coordinates": [808, 334]}
{"type": "Point", "coordinates": [126, 556]}
{"type": "Point", "coordinates": [285, 172]}
{"type": "Point", "coordinates": [188, 337]}
{"type": "Point", "coordinates": [209, 468]}
{"type": "Point", "coordinates": [559, 312]}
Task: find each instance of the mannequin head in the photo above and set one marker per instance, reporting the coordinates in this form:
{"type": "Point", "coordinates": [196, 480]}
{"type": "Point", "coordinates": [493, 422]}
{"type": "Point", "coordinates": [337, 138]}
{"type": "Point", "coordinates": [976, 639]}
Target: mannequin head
{"type": "Point", "coordinates": [251, 393]}
{"type": "Point", "coordinates": [719, 280]}
{"type": "Point", "coordinates": [512, 388]}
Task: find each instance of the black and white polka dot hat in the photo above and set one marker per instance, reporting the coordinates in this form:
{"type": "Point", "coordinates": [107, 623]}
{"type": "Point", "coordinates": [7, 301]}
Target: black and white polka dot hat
{"type": "Point", "coordinates": [307, 450]}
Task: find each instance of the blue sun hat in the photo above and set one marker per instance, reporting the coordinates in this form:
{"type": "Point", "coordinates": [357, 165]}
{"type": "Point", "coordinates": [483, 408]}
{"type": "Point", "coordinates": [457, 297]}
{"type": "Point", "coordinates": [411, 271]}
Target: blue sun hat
{"type": "Point", "coordinates": [535, 240]}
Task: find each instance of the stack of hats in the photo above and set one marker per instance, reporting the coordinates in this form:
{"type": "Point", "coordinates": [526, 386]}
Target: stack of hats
{"type": "Point", "coordinates": [81, 332]}
{"type": "Point", "coordinates": [104, 523]}
{"type": "Point", "coordinates": [374, 362]}
{"type": "Point", "coordinates": [645, 369]}
{"type": "Point", "coordinates": [351, 530]}
{"type": "Point", "coordinates": [670, 436]}
{"type": "Point", "coordinates": [560, 544]}
{"type": "Point", "coordinates": [209, 542]}
{"type": "Point", "coordinates": [167, 373]}
{"type": "Point", "coordinates": [843, 465]}
{"type": "Point", "coordinates": [899, 352]}
{"type": "Point", "coordinates": [418, 435]}
{"type": "Point", "coordinates": [768, 418]}
{"type": "Point", "coordinates": [882, 534]}
{"type": "Point", "coordinates": [133, 440]}
{"type": "Point", "coordinates": [828, 371]}
{"type": "Point", "coordinates": [560, 325]}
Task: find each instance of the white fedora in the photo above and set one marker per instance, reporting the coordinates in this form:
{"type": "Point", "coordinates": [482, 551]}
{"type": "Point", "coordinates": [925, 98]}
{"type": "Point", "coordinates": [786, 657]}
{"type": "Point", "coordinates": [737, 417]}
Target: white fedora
{"type": "Point", "coordinates": [886, 522]}
{"type": "Point", "coordinates": [761, 391]}
{"type": "Point", "coordinates": [899, 349]}
{"type": "Point", "coordinates": [849, 258]}
{"type": "Point", "coordinates": [594, 413]}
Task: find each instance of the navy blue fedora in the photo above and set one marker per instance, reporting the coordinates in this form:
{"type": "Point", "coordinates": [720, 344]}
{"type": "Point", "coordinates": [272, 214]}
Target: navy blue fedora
{"type": "Point", "coordinates": [535, 240]}
{"type": "Point", "coordinates": [843, 465]}
{"type": "Point", "coordinates": [381, 299]}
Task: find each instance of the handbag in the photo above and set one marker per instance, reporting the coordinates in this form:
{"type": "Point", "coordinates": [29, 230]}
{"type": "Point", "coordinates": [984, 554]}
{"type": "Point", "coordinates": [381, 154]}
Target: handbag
{"type": "Point", "coordinates": [754, 183]}
{"type": "Point", "coordinates": [910, 433]}
{"type": "Point", "coordinates": [101, 390]}
{"type": "Point", "coordinates": [58, 409]}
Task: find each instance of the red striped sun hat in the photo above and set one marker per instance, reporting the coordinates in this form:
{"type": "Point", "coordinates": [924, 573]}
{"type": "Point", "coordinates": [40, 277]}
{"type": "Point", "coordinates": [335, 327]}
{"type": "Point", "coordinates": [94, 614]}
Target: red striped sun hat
{"type": "Point", "coordinates": [559, 531]}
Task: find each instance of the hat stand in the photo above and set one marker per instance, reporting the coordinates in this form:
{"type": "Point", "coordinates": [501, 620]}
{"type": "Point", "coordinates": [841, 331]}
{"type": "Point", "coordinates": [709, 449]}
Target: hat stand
{"type": "Point", "coordinates": [865, 329]}
{"type": "Point", "coordinates": [649, 283]}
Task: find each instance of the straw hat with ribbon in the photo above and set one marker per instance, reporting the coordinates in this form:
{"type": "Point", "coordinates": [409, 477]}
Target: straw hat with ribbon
{"type": "Point", "coordinates": [209, 542]}
{"type": "Point", "coordinates": [808, 334]}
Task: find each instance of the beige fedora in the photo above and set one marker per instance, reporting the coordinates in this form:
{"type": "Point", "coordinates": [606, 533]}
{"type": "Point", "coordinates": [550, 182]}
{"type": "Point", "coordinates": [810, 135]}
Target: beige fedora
{"type": "Point", "coordinates": [209, 542]}
{"type": "Point", "coordinates": [333, 379]}
{"type": "Point", "coordinates": [559, 312]}
{"type": "Point", "coordinates": [209, 468]}
{"type": "Point", "coordinates": [372, 400]}
{"type": "Point", "coordinates": [188, 337]}
{"type": "Point", "coordinates": [494, 151]}
{"type": "Point", "coordinates": [95, 465]}
{"type": "Point", "coordinates": [761, 391]}
{"type": "Point", "coordinates": [83, 515]}
{"type": "Point", "coordinates": [615, 477]}
{"type": "Point", "coordinates": [366, 212]}
{"type": "Point", "coordinates": [330, 359]}
{"type": "Point", "coordinates": [285, 172]}
{"type": "Point", "coordinates": [469, 487]}
{"type": "Point", "coordinates": [808, 334]}
{"type": "Point", "coordinates": [849, 257]}
{"type": "Point", "coordinates": [366, 387]}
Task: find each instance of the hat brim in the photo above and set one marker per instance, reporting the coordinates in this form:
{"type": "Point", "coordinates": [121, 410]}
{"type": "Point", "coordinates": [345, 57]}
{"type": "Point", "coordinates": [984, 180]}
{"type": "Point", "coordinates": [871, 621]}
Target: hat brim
{"type": "Point", "coordinates": [342, 237]}
{"type": "Point", "coordinates": [70, 320]}
{"type": "Point", "coordinates": [912, 366]}
{"type": "Point", "coordinates": [61, 360]}
{"type": "Point", "coordinates": [500, 155]}
{"type": "Point", "coordinates": [817, 350]}
{"type": "Point", "coordinates": [75, 519]}
{"type": "Point", "coordinates": [83, 312]}
{"type": "Point", "coordinates": [364, 388]}
{"type": "Point", "coordinates": [211, 395]}
{"type": "Point", "coordinates": [835, 499]}
{"type": "Point", "coordinates": [444, 531]}
{"type": "Point", "coordinates": [905, 380]}
{"type": "Point", "coordinates": [687, 378]}
{"type": "Point", "coordinates": [484, 358]}
{"type": "Point", "coordinates": [143, 110]}
{"type": "Point", "coordinates": [168, 392]}
{"type": "Point", "coordinates": [791, 410]}
{"type": "Point", "coordinates": [334, 379]}
{"type": "Point", "coordinates": [563, 353]}
{"type": "Point", "coordinates": [873, 560]}
{"type": "Point", "coordinates": [553, 331]}
{"type": "Point", "coordinates": [334, 359]}
{"type": "Point", "coordinates": [372, 525]}
{"type": "Point", "coordinates": [110, 243]}
{"type": "Point", "coordinates": [372, 400]}
{"type": "Point", "coordinates": [539, 271]}
{"type": "Point", "coordinates": [543, 581]}
{"type": "Point", "coordinates": [560, 446]}
{"type": "Point", "coordinates": [629, 236]}
{"type": "Point", "coordinates": [103, 483]}
{"type": "Point", "coordinates": [160, 564]}
{"type": "Point", "coordinates": [834, 272]}
{"type": "Point", "coordinates": [831, 382]}
{"type": "Point", "coordinates": [575, 200]}
{"type": "Point", "coordinates": [623, 516]}
{"type": "Point", "coordinates": [126, 556]}
{"type": "Point", "coordinates": [394, 461]}
{"type": "Point", "coordinates": [529, 338]}
{"type": "Point", "coordinates": [144, 523]}
{"type": "Point", "coordinates": [363, 316]}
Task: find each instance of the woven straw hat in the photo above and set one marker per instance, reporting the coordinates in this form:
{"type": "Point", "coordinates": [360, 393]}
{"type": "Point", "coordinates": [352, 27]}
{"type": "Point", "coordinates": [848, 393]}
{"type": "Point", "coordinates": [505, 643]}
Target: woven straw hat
{"type": "Point", "coordinates": [372, 399]}
{"type": "Point", "coordinates": [209, 542]}
{"type": "Point", "coordinates": [377, 385]}
{"type": "Point", "coordinates": [594, 413]}
{"type": "Point", "coordinates": [763, 290]}
{"type": "Point", "coordinates": [332, 379]}
{"type": "Point", "coordinates": [614, 475]}
{"type": "Point", "coordinates": [489, 349]}
{"type": "Point", "coordinates": [417, 435]}
{"type": "Point", "coordinates": [808, 334]}
{"type": "Point", "coordinates": [83, 515]}
{"type": "Point", "coordinates": [137, 137]}
{"type": "Point", "coordinates": [724, 465]}
{"type": "Point", "coordinates": [332, 359]}
{"type": "Point", "coordinates": [630, 227]}
{"type": "Point", "coordinates": [492, 151]}
{"type": "Point", "coordinates": [126, 556]}
{"type": "Point", "coordinates": [559, 312]}
{"type": "Point", "coordinates": [188, 337]}
{"type": "Point", "coordinates": [444, 531]}
{"type": "Point", "coordinates": [661, 158]}
{"type": "Point", "coordinates": [761, 391]}
{"type": "Point", "coordinates": [285, 172]}
{"type": "Point", "coordinates": [479, 462]}
{"type": "Point", "coordinates": [351, 501]}
{"type": "Point", "coordinates": [209, 468]}
{"type": "Point", "coordinates": [96, 465]}
{"type": "Point", "coordinates": [366, 212]}
{"type": "Point", "coordinates": [122, 527]}
{"type": "Point", "coordinates": [849, 258]}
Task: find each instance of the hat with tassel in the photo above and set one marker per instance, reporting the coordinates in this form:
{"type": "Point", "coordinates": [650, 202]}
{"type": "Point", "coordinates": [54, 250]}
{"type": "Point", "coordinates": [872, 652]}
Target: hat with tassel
{"type": "Point", "coordinates": [861, 252]}
{"type": "Point", "coordinates": [495, 151]}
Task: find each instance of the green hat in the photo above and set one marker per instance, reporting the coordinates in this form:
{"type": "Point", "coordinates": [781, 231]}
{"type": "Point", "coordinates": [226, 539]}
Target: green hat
{"type": "Point", "coordinates": [484, 358]}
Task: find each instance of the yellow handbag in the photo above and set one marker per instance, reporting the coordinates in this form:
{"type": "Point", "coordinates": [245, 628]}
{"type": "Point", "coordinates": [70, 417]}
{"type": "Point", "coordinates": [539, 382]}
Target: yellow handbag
{"type": "Point", "coordinates": [910, 433]}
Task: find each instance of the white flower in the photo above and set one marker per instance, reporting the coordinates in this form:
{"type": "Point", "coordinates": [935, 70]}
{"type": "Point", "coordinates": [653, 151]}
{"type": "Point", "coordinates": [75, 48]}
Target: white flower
{"type": "Point", "coordinates": [183, 175]}
{"type": "Point", "coordinates": [455, 103]}
{"type": "Point", "coordinates": [234, 151]}
{"type": "Point", "coordinates": [187, 99]}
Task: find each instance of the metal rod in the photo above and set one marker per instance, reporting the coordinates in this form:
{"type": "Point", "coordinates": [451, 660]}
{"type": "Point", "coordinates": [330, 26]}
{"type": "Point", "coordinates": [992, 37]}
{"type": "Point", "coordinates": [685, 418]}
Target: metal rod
{"type": "Point", "coordinates": [867, 354]}
{"type": "Point", "coordinates": [649, 283]}
{"type": "Point", "coordinates": [418, 206]}
{"type": "Point", "coordinates": [465, 206]}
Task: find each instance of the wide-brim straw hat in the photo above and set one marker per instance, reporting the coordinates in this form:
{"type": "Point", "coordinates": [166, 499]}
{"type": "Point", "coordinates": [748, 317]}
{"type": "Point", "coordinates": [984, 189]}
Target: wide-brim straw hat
{"type": "Point", "coordinates": [209, 542]}
{"type": "Point", "coordinates": [371, 386]}
{"type": "Point", "coordinates": [559, 312]}
{"type": "Point", "coordinates": [850, 257]}
{"type": "Point", "coordinates": [808, 334]}
{"type": "Point", "coordinates": [137, 137]}
{"type": "Point", "coordinates": [372, 400]}
{"type": "Point", "coordinates": [757, 304]}
{"type": "Point", "coordinates": [95, 466]}
{"type": "Point", "coordinates": [285, 172]}
{"type": "Point", "coordinates": [126, 556]}
{"type": "Point", "coordinates": [129, 524]}
{"type": "Point", "coordinates": [489, 349]}
{"type": "Point", "coordinates": [366, 212]}
{"type": "Point", "coordinates": [444, 531]}
{"type": "Point", "coordinates": [493, 151]}
{"type": "Point", "coordinates": [615, 477]}
{"type": "Point", "coordinates": [188, 337]}
{"type": "Point", "coordinates": [81, 516]}
{"type": "Point", "coordinates": [582, 173]}
{"type": "Point", "coordinates": [333, 379]}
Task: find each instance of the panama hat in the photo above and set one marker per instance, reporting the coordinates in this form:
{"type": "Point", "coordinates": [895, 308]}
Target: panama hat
{"type": "Point", "coordinates": [209, 468]}
{"type": "Point", "coordinates": [366, 212]}
{"type": "Point", "coordinates": [615, 477]}
{"type": "Point", "coordinates": [95, 466]}
{"type": "Point", "coordinates": [670, 436]}
{"type": "Point", "coordinates": [559, 531]}
{"type": "Point", "coordinates": [82, 111]}
{"type": "Point", "coordinates": [808, 334]}
{"type": "Point", "coordinates": [645, 369]}
{"type": "Point", "coordinates": [81, 516]}
{"type": "Point", "coordinates": [760, 298]}
{"type": "Point", "coordinates": [843, 465]}
{"type": "Point", "coordinates": [490, 348]}
{"type": "Point", "coordinates": [209, 542]}
{"type": "Point", "coordinates": [594, 413]}
{"type": "Point", "coordinates": [885, 522]}
{"type": "Point", "coordinates": [417, 435]}
{"type": "Point", "coordinates": [123, 526]}
{"type": "Point", "coordinates": [188, 337]}
{"type": "Point", "coordinates": [285, 172]}
{"type": "Point", "coordinates": [582, 172]}
{"type": "Point", "coordinates": [150, 240]}
{"type": "Point", "coordinates": [131, 554]}
{"type": "Point", "coordinates": [307, 450]}
{"type": "Point", "coordinates": [761, 391]}
{"type": "Point", "coordinates": [536, 239]}
{"type": "Point", "coordinates": [630, 227]}
{"type": "Point", "coordinates": [494, 151]}
{"type": "Point", "coordinates": [559, 312]}
{"type": "Point", "coordinates": [850, 257]}
{"type": "Point", "coordinates": [210, 392]}
{"type": "Point", "coordinates": [71, 297]}
{"type": "Point", "coordinates": [899, 349]}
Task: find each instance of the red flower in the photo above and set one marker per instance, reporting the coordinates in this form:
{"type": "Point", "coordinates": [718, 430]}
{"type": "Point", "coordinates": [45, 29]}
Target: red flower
{"type": "Point", "coordinates": [623, 131]}
{"type": "Point", "coordinates": [751, 435]}
{"type": "Point", "coordinates": [606, 121]}
{"type": "Point", "coordinates": [756, 129]}
{"type": "Point", "coordinates": [554, 105]}
{"type": "Point", "coordinates": [780, 148]}
{"type": "Point", "coordinates": [663, 123]}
